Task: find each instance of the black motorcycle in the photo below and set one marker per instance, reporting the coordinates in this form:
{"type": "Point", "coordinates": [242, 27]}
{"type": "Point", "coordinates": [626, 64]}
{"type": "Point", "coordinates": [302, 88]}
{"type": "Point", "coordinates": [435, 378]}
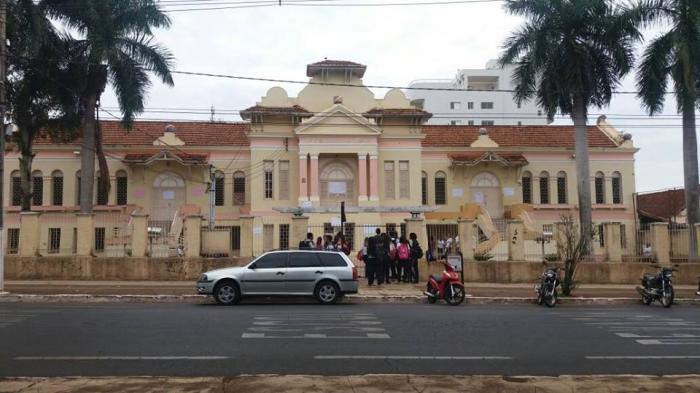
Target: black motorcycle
{"type": "Point", "coordinates": [658, 286]}
{"type": "Point", "coordinates": [547, 288]}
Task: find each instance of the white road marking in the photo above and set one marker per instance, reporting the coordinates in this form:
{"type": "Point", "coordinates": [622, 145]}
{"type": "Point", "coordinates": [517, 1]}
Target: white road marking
{"type": "Point", "coordinates": [677, 335]}
{"type": "Point", "coordinates": [318, 328]}
{"type": "Point", "coordinates": [368, 336]}
{"type": "Point", "coordinates": [122, 358]}
{"type": "Point", "coordinates": [640, 357]}
{"type": "Point", "coordinates": [402, 357]}
{"type": "Point", "coordinates": [679, 341]}
{"type": "Point", "coordinates": [342, 323]}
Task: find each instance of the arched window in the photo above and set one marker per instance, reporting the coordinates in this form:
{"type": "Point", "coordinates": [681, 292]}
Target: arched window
{"type": "Point", "coordinates": [424, 188]}
{"type": "Point", "coordinates": [561, 188]}
{"type": "Point", "coordinates": [599, 187]}
{"type": "Point", "coordinates": [239, 188]}
{"type": "Point", "coordinates": [527, 187]}
{"type": "Point", "coordinates": [77, 188]}
{"type": "Point", "coordinates": [57, 188]}
{"type": "Point", "coordinates": [37, 188]}
{"type": "Point", "coordinates": [544, 188]}
{"type": "Point", "coordinates": [101, 196]}
{"type": "Point", "coordinates": [219, 184]}
{"type": "Point", "coordinates": [616, 188]}
{"type": "Point", "coordinates": [16, 189]}
{"type": "Point", "coordinates": [337, 184]}
{"type": "Point", "coordinates": [122, 188]}
{"type": "Point", "coordinates": [440, 188]}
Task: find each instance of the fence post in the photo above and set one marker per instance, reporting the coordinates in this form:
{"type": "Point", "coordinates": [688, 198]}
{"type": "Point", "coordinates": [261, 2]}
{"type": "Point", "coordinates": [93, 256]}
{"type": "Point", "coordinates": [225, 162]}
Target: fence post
{"type": "Point", "coordinates": [697, 238]}
{"type": "Point", "coordinates": [193, 235]}
{"type": "Point", "coordinates": [86, 234]}
{"type": "Point", "coordinates": [613, 247]}
{"type": "Point", "coordinates": [417, 226]}
{"type": "Point", "coordinates": [139, 234]}
{"type": "Point", "coordinates": [29, 234]}
{"type": "Point", "coordinates": [246, 236]}
{"type": "Point", "coordinates": [515, 236]}
{"type": "Point", "coordinates": [660, 243]}
{"type": "Point", "coordinates": [300, 227]}
{"type": "Point", "coordinates": [465, 229]}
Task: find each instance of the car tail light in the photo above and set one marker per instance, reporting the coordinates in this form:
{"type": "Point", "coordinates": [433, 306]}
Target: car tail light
{"type": "Point", "coordinates": [354, 273]}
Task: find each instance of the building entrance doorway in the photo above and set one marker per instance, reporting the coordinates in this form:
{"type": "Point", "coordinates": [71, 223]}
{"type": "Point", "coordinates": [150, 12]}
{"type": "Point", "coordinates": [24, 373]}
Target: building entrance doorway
{"type": "Point", "coordinates": [486, 191]}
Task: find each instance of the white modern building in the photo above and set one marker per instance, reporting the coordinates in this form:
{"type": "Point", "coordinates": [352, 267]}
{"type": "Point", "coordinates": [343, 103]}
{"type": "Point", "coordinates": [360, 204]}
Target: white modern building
{"type": "Point", "coordinates": [475, 97]}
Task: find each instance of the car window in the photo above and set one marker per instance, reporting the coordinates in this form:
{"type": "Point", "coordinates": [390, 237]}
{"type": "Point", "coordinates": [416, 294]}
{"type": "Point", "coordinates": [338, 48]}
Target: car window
{"type": "Point", "coordinates": [332, 259]}
{"type": "Point", "coordinates": [272, 261]}
{"type": "Point", "coordinates": [304, 259]}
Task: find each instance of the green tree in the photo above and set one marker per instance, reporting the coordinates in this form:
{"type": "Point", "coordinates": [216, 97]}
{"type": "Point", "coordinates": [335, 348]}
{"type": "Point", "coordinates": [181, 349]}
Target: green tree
{"type": "Point", "coordinates": [114, 42]}
{"type": "Point", "coordinates": [39, 96]}
{"type": "Point", "coordinates": [570, 55]}
{"type": "Point", "coordinates": [675, 55]}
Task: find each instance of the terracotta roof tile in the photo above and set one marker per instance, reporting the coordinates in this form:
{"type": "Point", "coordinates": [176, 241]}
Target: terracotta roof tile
{"type": "Point", "coordinates": [314, 68]}
{"type": "Point", "coordinates": [192, 133]}
{"type": "Point", "coordinates": [275, 110]}
{"type": "Point", "coordinates": [398, 112]}
{"type": "Point", "coordinates": [472, 158]}
{"type": "Point", "coordinates": [513, 136]}
{"type": "Point", "coordinates": [661, 205]}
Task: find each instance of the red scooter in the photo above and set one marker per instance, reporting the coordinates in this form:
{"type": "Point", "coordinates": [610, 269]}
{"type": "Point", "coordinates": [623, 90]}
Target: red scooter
{"type": "Point", "coordinates": [448, 287]}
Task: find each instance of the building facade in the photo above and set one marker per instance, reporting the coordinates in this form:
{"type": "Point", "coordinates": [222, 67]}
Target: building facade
{"type": "Point", "coordinates": [475, 97]}
{"type": "Point", "coordinates": [335, 142]}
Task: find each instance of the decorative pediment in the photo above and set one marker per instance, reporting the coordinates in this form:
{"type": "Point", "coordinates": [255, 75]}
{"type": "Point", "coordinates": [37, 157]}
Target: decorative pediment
{"type": "Point", "coordinates": [148, 158]}
{"type": "Point", "coordinates": [475, 158]}
{"type": "Point", "coordinates": [338, 120]}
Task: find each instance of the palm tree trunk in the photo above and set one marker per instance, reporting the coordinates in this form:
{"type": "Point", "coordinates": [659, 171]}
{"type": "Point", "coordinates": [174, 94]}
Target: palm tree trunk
{"type": "Point", "coordinates": [583, 179]}
{"type": "Point", "coordinates": [87, 154]}
{"type": "Point", "coordinates": [101, 161]}
{"type": "Point", "coordinates": [690, 174]}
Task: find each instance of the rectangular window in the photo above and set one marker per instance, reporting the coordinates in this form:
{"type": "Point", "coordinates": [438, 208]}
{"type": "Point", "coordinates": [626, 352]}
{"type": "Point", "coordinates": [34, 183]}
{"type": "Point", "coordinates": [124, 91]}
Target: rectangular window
{"type": "Point", "coordinates": [404, 181]}
{"type": "Point", "coordinates": [455, 122]}
{"type": "Point", "coordinates": [470, 105]}
{"type": "Point", "coordinates": [122, 189]}
{"type": "Point", "coordinates": [527, 189]}
{"type": "Point", "coordinates": [284, 236]}
{"type": "Point", "coordinates": [12, 240]}
{"type": "Point", "coordinates": [544, 190]}
{"type": "Point", "coordinates": [487, 105]}
{"type": "Point", "coordinates": [389, 189]}
{"type": "Point", "coordinates": [424, 190]}
{"type": "Point", "coordinates": [37, 190]}
{"type": "Point", "coordinates": [99, 239]}
{"type": "Point", "coordinates": [471, 122]}
{"type": "Point", "coordinates": [440, 191]}
{"type": "Point", "coordinates": [284, 181]}
{"type": "Point", "coordinates": [601, 235]}
{"type": "Point", "coordinates": [599, 190]}
{"type": "Point", "coordinates": [238, 189]}
{"type": "Point", "coordinates": [57, 190]}
{"type": "Point", "coordinates": [454, 105]}
{"type": "Point", "coordinates": [219, 190]}
{"type": "Point", "coordinates": [487, 122]}
{"type": "Point", "coordinates": [77, 190]}
{"type": "Point", "coordinates": [561, 190]}
{"type": "Point", "coordinates": [16, 191]}
{"type": "Point", "coordinates": [54, 240]}
{"type": "Point", "coordinates": [236, 238]}
{"type": "Point", "coordinates": [102, 196]}
{"type": "Point", "coordinates": [268, 167]}
{"type": "Point", "coordinates": [623, 237]}
{"type": "Point", "coordinates": [616, 190]}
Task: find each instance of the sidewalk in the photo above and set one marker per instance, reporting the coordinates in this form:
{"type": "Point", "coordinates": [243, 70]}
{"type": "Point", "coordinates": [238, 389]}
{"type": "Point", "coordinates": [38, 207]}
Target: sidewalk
{"type": "Point", "coordinates": [180, 288]}
{"type": "Point", "coordinates": [359, 384]}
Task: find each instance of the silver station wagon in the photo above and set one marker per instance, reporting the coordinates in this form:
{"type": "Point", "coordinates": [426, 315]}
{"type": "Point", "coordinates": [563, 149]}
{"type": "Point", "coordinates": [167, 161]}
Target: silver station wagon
{"type": "Point", "coordinates": [325, 275]}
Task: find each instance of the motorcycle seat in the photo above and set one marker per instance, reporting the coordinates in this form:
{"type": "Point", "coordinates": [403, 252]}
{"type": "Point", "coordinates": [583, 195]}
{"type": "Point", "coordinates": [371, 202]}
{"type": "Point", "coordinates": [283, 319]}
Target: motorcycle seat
{"type": "Point", "coordinates": [436, 278]}
{"type": "Point", "coordinates": [649, 275]}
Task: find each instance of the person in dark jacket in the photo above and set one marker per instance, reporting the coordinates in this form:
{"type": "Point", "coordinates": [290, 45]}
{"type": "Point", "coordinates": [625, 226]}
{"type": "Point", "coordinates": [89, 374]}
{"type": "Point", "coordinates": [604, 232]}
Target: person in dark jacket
{"type": "Point", "coordinates": [372, 262]}
{"type": "Point", "coordinates": [416, 254]}
{"type": "Point", "coordinates": [308, 243]}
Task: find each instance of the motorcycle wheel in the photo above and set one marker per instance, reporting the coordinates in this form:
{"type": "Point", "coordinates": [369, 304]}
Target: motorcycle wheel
{"type": "Point", "coordinates": [647, 300]}
{"type": "Point", "coordinates": [540, 298]}
{"type": "Point", "coordinates": [457, 295]}
{"type": "Point", "coordinates": [434, 298]}
{"type": "Point", "coordinates": [550, 301]}
{"type": "Point", "coordinates": [667, 298]}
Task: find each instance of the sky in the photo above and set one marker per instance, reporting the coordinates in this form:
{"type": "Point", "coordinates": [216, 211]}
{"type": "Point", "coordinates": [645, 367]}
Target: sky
{"type": "Point", "coordinates": [398, 44]}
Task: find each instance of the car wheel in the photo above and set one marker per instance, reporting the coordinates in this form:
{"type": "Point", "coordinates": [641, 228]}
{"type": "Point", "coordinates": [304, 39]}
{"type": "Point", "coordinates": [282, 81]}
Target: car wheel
{"type": "Point", "coordinates": [227, 293]}
{"type": "Point", "coordinates": [327, 292]}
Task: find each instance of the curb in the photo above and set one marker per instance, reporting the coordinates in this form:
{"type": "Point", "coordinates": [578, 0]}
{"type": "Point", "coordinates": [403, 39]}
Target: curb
{"type": "Point", "coordinates": [350, 299]}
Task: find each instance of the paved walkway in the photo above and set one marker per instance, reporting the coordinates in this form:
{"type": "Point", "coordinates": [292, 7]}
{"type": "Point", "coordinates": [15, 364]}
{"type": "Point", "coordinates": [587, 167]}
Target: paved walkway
{"type": "Point", "coordinates": [187, 288]}
{"type": "Point", "coordinates": [360, 384]}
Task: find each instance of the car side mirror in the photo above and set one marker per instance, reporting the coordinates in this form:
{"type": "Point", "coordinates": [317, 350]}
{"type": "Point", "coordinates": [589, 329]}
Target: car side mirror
{"type": "Point", "coordinates": [253, 266]}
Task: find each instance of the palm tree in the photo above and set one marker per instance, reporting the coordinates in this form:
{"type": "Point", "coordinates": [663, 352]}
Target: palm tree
{"type": "Point", "coordinates": [114, 43]}
{"type": "Point", "coordinates": [675, 55]}
{"type": "Point", "coordinates": [39, 92]}
{"type": "Point", "coordinates": [570, 55]}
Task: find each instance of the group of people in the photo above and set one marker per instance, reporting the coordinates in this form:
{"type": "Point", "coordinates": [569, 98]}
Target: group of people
{"type": "Point", "coordinates": [388, 258]}
{"type": "Point", "coordinates": [441, 248]}
{"type": "Point", "coordinates": [326, 243]}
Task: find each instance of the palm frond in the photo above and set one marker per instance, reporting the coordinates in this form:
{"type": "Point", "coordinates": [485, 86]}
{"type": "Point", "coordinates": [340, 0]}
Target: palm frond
{"type": "Point", "coordinates": [654, 71]}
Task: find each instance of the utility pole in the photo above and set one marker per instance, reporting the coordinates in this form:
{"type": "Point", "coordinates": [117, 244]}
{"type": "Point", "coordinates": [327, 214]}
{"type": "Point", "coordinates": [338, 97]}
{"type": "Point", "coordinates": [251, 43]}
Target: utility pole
{"type": "Point", "coordinates": [212, 198]}
{"type": "Point", "coordinates": [3, 108]}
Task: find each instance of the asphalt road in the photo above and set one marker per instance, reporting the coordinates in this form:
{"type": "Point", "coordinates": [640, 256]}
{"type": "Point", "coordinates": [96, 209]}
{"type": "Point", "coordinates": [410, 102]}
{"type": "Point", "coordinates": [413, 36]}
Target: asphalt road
{"type": "Point", "coordinates": [208, 340]}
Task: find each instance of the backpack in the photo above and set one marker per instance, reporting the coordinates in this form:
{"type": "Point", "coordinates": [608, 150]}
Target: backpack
{"type": "Point", "coordinates": [392, 252]}
{"type": "Point", "coordinates": [404, 252]}
{"type": "Point", "coordinates": [416, 251]}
